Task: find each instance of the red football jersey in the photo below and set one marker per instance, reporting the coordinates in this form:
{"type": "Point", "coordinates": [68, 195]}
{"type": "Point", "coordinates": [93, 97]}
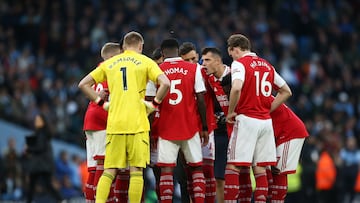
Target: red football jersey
{"type": "Point", "coordinates": [258, 78]}
{"type": "Point", "coordinates": [178, 113]}
{"type": "Point", "coordinates": [287, 125]}
{"type": "Point", "coordinates": [96, 116]}
{"type": "Point", "coordinates": [220, 95]}
{"type": "Point", "coordinates": [209, 100]}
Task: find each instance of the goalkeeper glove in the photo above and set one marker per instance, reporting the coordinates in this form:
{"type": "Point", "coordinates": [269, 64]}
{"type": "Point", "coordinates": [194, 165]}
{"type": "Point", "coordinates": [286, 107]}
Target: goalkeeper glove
{"type": "Point", "coordinates": [151, 106]}
{"type": "Point", "coordinates": [104, 104]}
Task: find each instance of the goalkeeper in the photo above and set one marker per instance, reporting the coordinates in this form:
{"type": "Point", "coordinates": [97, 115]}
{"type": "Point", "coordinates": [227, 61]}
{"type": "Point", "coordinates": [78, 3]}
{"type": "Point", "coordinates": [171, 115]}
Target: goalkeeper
{"type": "Point", "coordinates": [127, 138]}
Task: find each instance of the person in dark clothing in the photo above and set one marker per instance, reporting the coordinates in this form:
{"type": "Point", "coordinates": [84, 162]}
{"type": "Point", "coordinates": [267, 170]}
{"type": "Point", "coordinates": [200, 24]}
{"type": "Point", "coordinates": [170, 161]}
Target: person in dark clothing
{"type": "Point", "coordinates": [40, 159]}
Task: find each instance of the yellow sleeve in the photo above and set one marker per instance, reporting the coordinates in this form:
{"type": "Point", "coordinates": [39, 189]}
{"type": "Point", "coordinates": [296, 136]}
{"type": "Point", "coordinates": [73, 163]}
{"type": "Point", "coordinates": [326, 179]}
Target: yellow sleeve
{"type": "Point", "coordinates": [99, 74]}
{"type": "Point", "coordinates": [153, 71]}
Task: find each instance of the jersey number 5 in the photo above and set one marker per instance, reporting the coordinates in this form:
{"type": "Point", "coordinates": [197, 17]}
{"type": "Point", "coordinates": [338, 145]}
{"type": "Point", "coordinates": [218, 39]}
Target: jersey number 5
{"type": "Point", "coordinates": [173, 90]}
{"type": "Point", "coordinates": [262, 85]}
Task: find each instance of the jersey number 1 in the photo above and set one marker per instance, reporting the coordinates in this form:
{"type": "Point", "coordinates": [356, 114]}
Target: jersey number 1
{"type": "Point", "coordinates": [124, 78]}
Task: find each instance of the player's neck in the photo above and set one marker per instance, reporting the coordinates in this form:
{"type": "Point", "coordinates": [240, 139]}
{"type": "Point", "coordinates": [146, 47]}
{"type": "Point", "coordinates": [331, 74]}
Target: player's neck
{"type": "Point", "coordinates": [219, 73]}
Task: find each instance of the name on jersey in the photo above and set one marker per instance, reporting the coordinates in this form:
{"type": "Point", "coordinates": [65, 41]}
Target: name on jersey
{"type": "Point", "coordinates": [254, 64]}
{"type": "Point", "coordinates": [223, 100]}
{"type": "Point", "coordinates": [175, 70]}
{"type": "Point", "coordinates": [125, 59]}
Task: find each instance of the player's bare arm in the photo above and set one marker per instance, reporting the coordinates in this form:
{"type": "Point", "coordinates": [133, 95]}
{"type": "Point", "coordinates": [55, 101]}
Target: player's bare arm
{"type": "Point", "coordinates": [282, 95]}
{"type": "Point", "coordinates": [202, 111]}
{"type": "Point", "coordinates": [164, 86]}
{"type": "Point", "coordinates": [85, 86]}
{"type": "Point", "coordinates": [234, 99]}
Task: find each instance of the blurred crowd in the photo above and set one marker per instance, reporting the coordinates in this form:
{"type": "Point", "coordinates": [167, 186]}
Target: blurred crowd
{"type": "Point", "coordinates": [47, 46]}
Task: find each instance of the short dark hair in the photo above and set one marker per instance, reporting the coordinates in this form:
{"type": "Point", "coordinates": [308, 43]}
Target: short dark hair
{"type": "Point", "coordinates": [156, 54]}
{"type": "Point", "coordinates": [240, 41]}
{"type": "Point", "coordinates": [212, 50]}
{"type": "Point", "coordinates": [170, 43]}
{"type": "Point", "coordinates": [186, 47]}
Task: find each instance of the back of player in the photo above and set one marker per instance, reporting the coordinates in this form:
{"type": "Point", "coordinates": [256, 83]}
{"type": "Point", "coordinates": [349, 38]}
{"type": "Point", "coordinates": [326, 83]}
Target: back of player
{"type": "Point", "coordinates": [180, 101]}
{"type": "Point", "coordinates": [252, 140]}
{"type": "Point", "coordinates": [255, 99]}
{"type": "Point", "coordinates": [127, 139]}
{"type": "Point", "coordinates": [185, 102]}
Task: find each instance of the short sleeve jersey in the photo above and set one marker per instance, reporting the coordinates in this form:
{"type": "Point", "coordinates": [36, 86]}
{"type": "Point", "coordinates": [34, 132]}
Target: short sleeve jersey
{"type": "Point", "coordinates": [127, 75]}
{"type": "Point", "coordinates": [95, 116]}
{"type": "Point", "coordinates": [259, 79]}
{"type": "Point", "coordinates": [178, 113]}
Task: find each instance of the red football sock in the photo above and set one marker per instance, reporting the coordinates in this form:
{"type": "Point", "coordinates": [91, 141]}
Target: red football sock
{"type": "Point", "coordinates": [98, 174]}
{"type": "Point", "coordinates": [111, 196]}
{"type": "Point", "coordinates": [261, 190]}
{"type": "Point", "coordinates": [231, 184]}
{"type": "Point", "coordinates": [245, 191]}
{"type": "Point", "coordinates": [89, 191]}
{"type": "Point", "coordinates": [270, 182]}
{"type": "Point", "coordinates": [210, 183]}
{"type": "Point", "coordinates": [198, 183]}
{"type": "Point", "coordinates": [166, 187]}
{"type": "Point", "coordinates": [280, 188]}
{"type": "Point", "coordinates": [122, 185]}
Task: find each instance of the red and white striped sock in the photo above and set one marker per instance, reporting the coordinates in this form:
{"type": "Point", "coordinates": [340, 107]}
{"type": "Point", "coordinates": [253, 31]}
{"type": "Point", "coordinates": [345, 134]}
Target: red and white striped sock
{"type": "Point", "coordinates": [245, 188]}
{"type": "Point", "coordinates": [210, 183]}
{"type": "Point", "coordinates": [122, 185]}
{"type": "Point", "coordinates": [98, 174]}
{"type": "Point", "coordinates": [261, 190]}
{"type": "Point", "coordinates": [166, 187]}
{"type": "Point", "coordinates": [89, 191]}
{"type": "Point", "coordinates": [198, 183]}
{"type": "Point", "coordinates": [279, 190]}
{"type": "Point", "coordinates": [231, 191]}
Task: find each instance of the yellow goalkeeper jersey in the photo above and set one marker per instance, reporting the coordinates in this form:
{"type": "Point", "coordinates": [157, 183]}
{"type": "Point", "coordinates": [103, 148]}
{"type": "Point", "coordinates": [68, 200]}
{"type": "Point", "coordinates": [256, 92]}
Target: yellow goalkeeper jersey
{"type": "Point", "coordinates": [127, 75]}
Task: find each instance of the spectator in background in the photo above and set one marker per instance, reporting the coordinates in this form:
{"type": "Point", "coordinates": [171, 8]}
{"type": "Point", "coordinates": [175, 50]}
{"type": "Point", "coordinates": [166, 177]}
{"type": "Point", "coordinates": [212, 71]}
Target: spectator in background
{"type": "Point", "coordinates": [13, 183]}
{"type": "Point", "coordinates": [62, 165]}
{"type": "Point", "coordinates": [349, 168]}
{"type": "Point", "coordinates": [286, 33]}
{"type": "Point", "coordinates": [40, 162]}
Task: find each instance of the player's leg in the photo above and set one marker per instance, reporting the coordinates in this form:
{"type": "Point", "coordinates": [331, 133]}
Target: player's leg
{"type": "Point", "coordinates": [167, 156]}
{"type": "Point", "coordinates": [182, 176]}
{"type": "Point", "coordinates": [91, 164]}
{"type": "Point", "coordinates": [138, 155]}
{"type": "Point", "coordinates": [115, 158]}
{"type": "Point", "coordinates": [192, 153]}
{"type": "Point", "coordinates": [221, 144]}
{"type": "Point", "coordinates": [208, 152]}
{"type": "Point", "coordinates": [245, 190]}
{"type": "Point", "coordinates": [122, 185]}
{"type": "Point", "coordinates": [240, 153]}
{"type": "Point", "coordinates": [264, 155]}
{"type": "Point", "coordinates": [288, 154]}
{"type": "Point", "coordinates": [99, 141]}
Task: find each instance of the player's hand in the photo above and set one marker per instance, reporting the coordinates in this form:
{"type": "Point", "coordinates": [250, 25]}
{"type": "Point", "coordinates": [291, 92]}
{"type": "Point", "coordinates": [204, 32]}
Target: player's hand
{"type": "Point", "coordinates": [150, 106]}
{"type": "Point", "coordinates": [230, 118]}
{"type": "Point", "coordinates": [204, 137]}
{"type": "Point", "coordinates": [104, 104]}
{"type": "Point", "coordinates": [104, 94]}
